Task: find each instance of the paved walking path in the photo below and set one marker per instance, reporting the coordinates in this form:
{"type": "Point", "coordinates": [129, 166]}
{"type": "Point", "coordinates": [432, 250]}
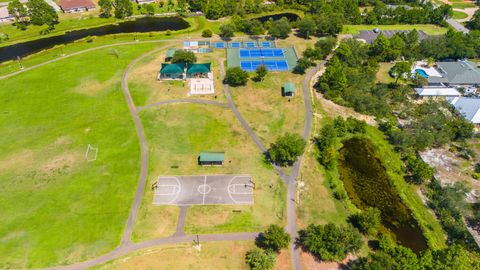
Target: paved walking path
{"type": "Point", "coordinates": [176, 239]}
{"type": "Point", "coordinates": [127, 233]}
{"type": "Point", "coordinates": [196, 101]}
{"type": "Point", "coordinates": [181, 220]}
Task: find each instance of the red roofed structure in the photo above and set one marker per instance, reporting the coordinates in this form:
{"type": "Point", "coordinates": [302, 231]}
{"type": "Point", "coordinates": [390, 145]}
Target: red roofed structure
{"type": "Point", "coordinates": [74, 6]}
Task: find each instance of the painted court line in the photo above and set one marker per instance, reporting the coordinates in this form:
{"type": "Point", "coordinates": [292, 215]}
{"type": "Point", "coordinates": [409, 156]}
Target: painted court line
{"type": "Point", "coordinates": [204, 184]}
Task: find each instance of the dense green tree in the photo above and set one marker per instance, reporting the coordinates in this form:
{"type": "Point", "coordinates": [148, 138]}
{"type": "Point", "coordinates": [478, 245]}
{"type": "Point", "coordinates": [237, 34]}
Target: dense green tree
{"type": "Point", "coordinates": [306, 27]}
{"type": "Point", "coordinates": [474, 23]}
{"type": "Point", "coordinates": [148, 9]}
{"type": "Point", "coordinates": [401, 70]}
{"type": "Point", "coordinates": [334, 80]}
{"type": "Point", "coordinates": [368, 221]}
{"type": "Point", "coordinates": [280, 29]}
{"type": "Point", "coordinates": [207, 33]}
{"type": "Point", "coordinates": [19, 12]}
{"type": "Point", "coordinates": [261, 72]}
{"type": "Point", "coordinates": [123, 8]}
{"type": "Point", "coordinates": [326, 145]}
{"type": "Point", "coordinates": [259, 259]}
{"type": "Point", "coordinates": [227, 31]}
{"type": "Point", "coordinates": [184, 56]}
{"type": "Point", "coordinates": [287, 149]}
{"type": "Point", "coordinates": [253, 27]}
{"type": "Point", "coordinates": [329, 242]}
{"type": "Point", "coordinates": [302, 65]}
{"type": "Point", "coordinates": [236, 76]}
{"type": "Point", "coordinates": [274, 238]}
{"type": "Point", "coordinates": [215, 10]}
{"type": "Point", "coordinates": [41, 13]}
{"type": "Point", "coordinates": [197, 5]}
{"type": "Point", "coordinates": [106, 7]}
{"type": "Point", "coordinates": [421, 171]}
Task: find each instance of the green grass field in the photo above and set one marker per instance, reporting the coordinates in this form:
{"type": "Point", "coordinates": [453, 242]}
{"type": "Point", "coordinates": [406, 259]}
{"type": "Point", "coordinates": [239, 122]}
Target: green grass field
{"type": "Point", "coordinates": [427, 28]}
{"type": "Point", "coordinates": [56, 207]}
{"type": "Point", "coordinates": [457, 15]}
{"type": "Point", "coordinates": [176, 135]}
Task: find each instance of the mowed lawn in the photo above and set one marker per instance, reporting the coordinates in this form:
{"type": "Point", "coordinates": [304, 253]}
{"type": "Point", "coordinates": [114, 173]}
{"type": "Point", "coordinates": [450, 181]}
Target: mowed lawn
{"type": "Point", "coordinates": [430, 29]}
{"type": "Point", "coordinates": [57, 208]}
{"type": "Point", "coordinates": [211, 255]}
{"type": "Point", "coordinates": [263, 107]}
{"type": "Point", "coordinates": [176, 134]}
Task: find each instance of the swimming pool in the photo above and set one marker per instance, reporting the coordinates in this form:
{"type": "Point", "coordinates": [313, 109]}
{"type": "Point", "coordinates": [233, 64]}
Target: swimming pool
{"type": "Point", "coordinates": [422, 73]}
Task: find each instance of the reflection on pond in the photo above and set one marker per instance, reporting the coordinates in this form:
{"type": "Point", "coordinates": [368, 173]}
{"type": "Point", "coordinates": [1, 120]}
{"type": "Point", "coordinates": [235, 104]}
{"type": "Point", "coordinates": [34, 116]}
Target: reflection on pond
{"type": "Point", "coordinates": [368, 185]}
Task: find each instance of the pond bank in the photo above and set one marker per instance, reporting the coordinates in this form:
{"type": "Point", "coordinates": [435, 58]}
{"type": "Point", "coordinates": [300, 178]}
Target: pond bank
{"type": "Point", "coordinates": [368, 185]}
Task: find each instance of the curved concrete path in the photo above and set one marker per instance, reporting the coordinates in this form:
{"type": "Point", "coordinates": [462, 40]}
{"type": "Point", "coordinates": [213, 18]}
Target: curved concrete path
{"type": "Point", "coordinates": [194, 101]}
{"type": "Point", "coordinates": [127, 233]}
{"type": "Point", "coordinates": [176, 239]}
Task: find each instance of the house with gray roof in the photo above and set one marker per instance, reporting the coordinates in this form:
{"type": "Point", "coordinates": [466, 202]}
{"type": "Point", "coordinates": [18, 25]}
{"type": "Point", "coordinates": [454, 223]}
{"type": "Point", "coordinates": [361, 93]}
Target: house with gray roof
{"type": "Point", "coordinates": [369, 36]}
{"type": "Point", "coordinates": [459, 73]}
{"type": "Point", "coordinates": [469, 107]}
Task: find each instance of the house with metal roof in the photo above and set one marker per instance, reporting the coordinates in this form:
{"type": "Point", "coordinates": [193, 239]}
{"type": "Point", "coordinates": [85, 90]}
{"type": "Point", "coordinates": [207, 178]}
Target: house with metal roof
{"type": "Point", "coordinates": [469, 107]}
{"type": "Point", "coordinates": [437, 92]}
{"type": "Point", "coordinates": [5, 16]}
{"type": "Point", "coordinates": [288, 89]}
{"type": "Point", "coordinates": [459, 73]}
{"type": "Point", "coordinates": [172, 71]}
{"type": "Point", "coordinates": [211, 158]}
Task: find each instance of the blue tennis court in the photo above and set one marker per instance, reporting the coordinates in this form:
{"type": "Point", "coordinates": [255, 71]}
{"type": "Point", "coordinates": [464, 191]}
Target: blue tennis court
{"type": "Point", "coordinates": [266, 44]}
{"type": "Point", "coordinates": [256, 53]}
{"type": "Point", "coordinates": [235, 44]}
{"type": "Point", "coordinates": [250, 44]}
{"type": "Point", "coordinates": [220, 45]}
{"type": "Point", "coordinates": [272, 65]}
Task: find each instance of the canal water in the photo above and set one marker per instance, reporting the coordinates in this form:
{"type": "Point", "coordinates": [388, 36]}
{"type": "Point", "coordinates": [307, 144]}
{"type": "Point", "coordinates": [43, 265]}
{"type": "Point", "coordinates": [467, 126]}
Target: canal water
{"type": "Point", "coordinates": [136, 26]}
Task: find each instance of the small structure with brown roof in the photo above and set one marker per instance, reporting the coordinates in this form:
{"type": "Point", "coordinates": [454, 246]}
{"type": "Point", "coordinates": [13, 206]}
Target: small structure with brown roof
{"type": "Point", "coordinates": [74, 6]}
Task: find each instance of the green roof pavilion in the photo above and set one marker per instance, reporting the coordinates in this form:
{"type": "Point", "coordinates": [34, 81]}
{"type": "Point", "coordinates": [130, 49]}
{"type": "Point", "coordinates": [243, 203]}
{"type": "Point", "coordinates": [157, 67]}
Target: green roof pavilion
{"type": "Point", "coordinates": [211, 158]}
{"type": "Point", "coordinates": [172, 71]}
{"type": "Point", "coordinates": [194, 69]}
{"type": "Point", "coordinates": [288, 89]}
{"type": "Point", "coordinates": [170, 54]}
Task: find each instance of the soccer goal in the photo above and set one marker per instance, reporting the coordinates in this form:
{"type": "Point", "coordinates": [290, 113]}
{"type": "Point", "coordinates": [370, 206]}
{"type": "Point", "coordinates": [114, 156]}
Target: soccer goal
{"type": "Point", "coordinates": [91, 154]}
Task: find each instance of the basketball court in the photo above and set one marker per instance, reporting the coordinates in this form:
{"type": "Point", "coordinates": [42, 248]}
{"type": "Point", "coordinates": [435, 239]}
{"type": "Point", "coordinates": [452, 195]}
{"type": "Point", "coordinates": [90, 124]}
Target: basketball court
{"type": "Point", "coordinates": [203, 190]}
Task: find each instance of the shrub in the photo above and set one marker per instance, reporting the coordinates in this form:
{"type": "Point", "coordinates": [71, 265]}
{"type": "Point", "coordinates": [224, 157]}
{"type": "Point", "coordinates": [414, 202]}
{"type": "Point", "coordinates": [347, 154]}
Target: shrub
{"type": "Point", "coordinates": [207, 33]}
{"type": "Point", "coordinates": [274, 238]}
{"type": "Point", "coordinates": [236, 76]}
{"type": "Point", "coordinates": [259, 259]}
{"type": "Point", "coordinates": [287, 148]}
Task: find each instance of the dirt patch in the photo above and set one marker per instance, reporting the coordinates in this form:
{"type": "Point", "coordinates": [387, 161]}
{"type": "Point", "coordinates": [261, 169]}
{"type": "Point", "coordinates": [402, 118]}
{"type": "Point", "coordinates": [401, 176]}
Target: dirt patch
{"type": "Point", "coordinates": [61, 162]}
{"type": "Point", "coordinates": [335, 110]}
{"type": "Point", "coordinates": [91, 87]}
{"type": "Point", "coordinates": [17, 160]}
{"type": "Point", "coordinates": [449, 167]}
{"type": "Point", "coordinates": [312, 263]}
{"type": "Point", "coordinates": [284, 261]}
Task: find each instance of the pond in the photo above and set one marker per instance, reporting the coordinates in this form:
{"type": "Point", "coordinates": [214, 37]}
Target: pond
{"type": "Point", "coordinates": [135, 26]}
{"type": "Point", "coordinates": [290, 16]}
{"type": "Point", "coordinates": [368, 185]}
